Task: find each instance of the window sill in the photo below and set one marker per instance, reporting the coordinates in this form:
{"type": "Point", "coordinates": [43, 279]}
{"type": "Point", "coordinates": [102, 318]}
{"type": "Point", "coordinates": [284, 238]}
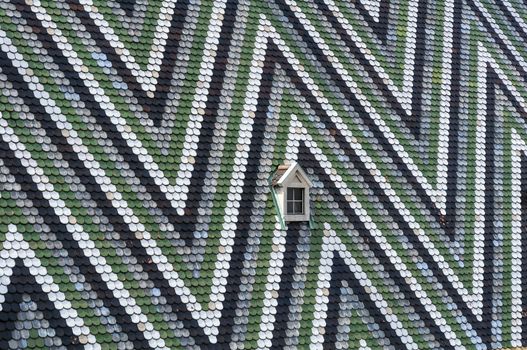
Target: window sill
{"type": "Point", "coordinates": [291, 218]}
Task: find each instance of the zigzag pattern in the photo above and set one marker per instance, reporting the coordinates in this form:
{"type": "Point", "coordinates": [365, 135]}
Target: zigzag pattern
{"type": "Point", "coordinates": [137, 139]}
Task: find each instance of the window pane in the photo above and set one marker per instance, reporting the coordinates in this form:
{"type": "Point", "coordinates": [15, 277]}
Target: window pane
{"type": "Point", "coordinates": [299, 194]}
{"type": "Point", "coordinates": [299, 207]}
{"type": "Point", "coordinates": [290, 208]}
{"type": "Point", "coordinates": [290, 193]}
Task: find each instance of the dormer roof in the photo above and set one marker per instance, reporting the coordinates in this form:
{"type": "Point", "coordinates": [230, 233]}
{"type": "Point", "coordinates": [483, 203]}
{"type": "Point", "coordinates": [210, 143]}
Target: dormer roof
{"type": "Point", "coordinates": [287, 173]}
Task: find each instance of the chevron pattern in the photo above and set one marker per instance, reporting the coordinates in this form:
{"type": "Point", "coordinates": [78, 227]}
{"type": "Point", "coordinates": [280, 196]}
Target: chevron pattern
{"type": "Point", "coordinates": [137, 138]}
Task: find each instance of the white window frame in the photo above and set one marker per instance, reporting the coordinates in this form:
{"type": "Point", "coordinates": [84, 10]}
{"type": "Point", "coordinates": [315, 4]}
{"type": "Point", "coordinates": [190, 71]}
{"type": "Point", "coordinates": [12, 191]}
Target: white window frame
{"type": "Point", "coordinates": [295, 200]}
{"type": "Point", "coordinates": [305, 204]}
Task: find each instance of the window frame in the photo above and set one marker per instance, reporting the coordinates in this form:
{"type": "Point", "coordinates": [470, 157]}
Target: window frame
{"type": "Point", "coordinates": [294, 201]}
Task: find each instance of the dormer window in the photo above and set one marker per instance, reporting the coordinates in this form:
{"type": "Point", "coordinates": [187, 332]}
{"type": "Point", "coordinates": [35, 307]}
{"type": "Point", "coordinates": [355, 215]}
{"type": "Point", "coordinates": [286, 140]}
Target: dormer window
{"type": "Point", "coordinates": [292, 191]}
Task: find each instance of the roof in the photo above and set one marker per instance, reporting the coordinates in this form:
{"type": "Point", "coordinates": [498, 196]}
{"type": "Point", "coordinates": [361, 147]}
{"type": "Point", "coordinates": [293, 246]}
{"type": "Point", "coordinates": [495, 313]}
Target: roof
{"type": "Point", "coordinates": [137, 138]}
{"type": "Point", "coordinates": [280, 171]}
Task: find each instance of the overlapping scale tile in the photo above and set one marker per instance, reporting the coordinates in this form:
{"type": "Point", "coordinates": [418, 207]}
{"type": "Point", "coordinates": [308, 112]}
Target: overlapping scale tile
{"type": "Point", "coordinates": [139, 141]}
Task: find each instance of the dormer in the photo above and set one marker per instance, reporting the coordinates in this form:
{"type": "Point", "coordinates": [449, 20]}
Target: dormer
{"type": "Point", "coordinates": [292, 185]}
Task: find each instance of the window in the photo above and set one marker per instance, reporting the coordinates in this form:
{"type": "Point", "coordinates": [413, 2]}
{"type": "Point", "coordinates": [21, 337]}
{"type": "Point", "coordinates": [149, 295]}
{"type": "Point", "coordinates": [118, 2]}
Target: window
{"type": "Point", "coordinates": [291, 186]}
{"type": "Point", "coordinates": [295, 201]}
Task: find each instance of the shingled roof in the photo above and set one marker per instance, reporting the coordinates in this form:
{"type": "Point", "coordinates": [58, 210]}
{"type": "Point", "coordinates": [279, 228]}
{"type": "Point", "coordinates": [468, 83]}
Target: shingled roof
{"type": "Point", "coordinates": [137, 140]}
{"type": "Point", "coordinates": [280, 171]}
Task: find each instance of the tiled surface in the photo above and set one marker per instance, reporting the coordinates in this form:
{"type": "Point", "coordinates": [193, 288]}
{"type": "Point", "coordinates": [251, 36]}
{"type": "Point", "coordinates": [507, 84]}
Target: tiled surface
{"type": "Point", "coordinates": [137, 140]}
